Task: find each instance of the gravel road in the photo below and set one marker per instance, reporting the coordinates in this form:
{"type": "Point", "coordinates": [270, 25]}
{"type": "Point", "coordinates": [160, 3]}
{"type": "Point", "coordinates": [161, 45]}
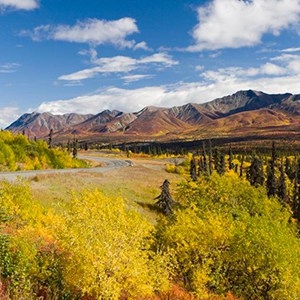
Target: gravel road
{"type": "Point", "coordinates": [110, 164]}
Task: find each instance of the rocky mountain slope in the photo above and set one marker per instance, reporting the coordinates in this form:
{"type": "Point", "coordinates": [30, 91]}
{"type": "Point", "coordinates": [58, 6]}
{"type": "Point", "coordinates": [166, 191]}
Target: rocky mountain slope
{"type": "Point", "coordinates": [245, 112]}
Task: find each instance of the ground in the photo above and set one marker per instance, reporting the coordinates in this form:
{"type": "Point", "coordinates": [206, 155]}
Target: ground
{"type": "Point", "coordinates": [138, 184]}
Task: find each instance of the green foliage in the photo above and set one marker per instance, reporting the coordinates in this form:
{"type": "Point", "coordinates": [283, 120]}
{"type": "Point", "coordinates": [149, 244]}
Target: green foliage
{"type": "Point", "coordinates": [18, 153]}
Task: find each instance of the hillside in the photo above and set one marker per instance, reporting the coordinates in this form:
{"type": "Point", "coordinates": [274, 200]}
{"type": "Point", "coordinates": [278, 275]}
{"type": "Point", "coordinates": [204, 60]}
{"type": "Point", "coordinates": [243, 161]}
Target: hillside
{"type": "Point", "coordinates": [243, 113]}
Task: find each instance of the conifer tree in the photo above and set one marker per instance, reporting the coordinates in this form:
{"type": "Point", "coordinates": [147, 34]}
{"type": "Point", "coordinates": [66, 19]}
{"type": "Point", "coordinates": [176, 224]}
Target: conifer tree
{"type": "Point", "coordinates": [230, 159]}
{"type": "Point", "coordinates": [217, 159]}
{"type": "Point", "coordinates": [222, 165]}
{"type": "Point", "coordinates": [50, 145]}
{"type": "Point", "coordinates": [69, 146]}
{"type": "Point", "coordinates": [205, 165]}
{"type": "Point", "coordinates": [193, 169]}
{"type": "Point", "coordinates": [200, 166]}
{"type": "Point", "coordinates": [75, 148]}
{"type": "Point", "coordinates": [282, 189]}
{"type": "Point", "coordinates": [242, 166]}
{"type": "Point", "coordinates": [165, 200]}
{"type": "Point", "coordinates": [210, 158]}
{"type": "Point", "coordinates": [289, 169]}
{"type": "Point", "coordinates": [271, 179]}
{"type": "Point", "coordinates": [255, 174]}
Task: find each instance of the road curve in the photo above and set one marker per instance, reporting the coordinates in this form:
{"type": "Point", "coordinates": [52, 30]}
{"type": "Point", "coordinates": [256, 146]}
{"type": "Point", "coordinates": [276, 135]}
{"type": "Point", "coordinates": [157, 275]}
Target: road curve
{"type": "Point", "coordinates": [110, 164]}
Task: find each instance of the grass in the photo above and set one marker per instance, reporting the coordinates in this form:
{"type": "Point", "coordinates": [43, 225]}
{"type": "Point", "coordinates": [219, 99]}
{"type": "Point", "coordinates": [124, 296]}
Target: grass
{"type": "Point", "coordinates": [137, 185]}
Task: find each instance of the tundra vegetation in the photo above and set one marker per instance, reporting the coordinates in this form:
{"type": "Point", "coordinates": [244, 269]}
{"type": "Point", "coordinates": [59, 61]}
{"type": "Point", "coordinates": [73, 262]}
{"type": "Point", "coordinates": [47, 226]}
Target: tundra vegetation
{"type": "Point", "coordinates": [17, 153]}
{"type": "Point", "coordinates": [225, 236]}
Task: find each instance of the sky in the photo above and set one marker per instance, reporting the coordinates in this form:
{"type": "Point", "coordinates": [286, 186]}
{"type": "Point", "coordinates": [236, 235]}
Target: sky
{"type": "Point", "coordinates": [85, 56]}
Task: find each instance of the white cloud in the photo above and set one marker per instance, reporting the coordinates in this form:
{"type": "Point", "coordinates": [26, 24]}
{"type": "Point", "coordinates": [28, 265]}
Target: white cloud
{"type": "Point", "coordinates": [9, 67]}
{"type": "Point", "coordinates": [90, 31]}
{"type": "Point", "coordinates": [142, 46]}
{"type": "Point", "coordinates": [296, 49]}
{"type": "Point", "coordinates": [136, 77]}
{"type": "Point", "coordinates": [290, 61]}
{"type": "Point", "coordinates": [19, 4]}
{"type": "Point", "coordinates": [238, 23]}
{"type": "Point", "coordinates": [8, 115]}
{"type": "Point", "coordinates": [130, 100]}
{"type": "Point", "coordinates": [118, 64]}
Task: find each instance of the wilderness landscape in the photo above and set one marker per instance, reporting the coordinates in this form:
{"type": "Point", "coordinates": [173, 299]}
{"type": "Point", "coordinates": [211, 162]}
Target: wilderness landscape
{"type": "Point", "coordinates": [150, 150]}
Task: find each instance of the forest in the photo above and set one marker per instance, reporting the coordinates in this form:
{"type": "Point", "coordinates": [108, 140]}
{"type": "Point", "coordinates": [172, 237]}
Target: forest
{"type": "Point", "coordinates": [228, 230]}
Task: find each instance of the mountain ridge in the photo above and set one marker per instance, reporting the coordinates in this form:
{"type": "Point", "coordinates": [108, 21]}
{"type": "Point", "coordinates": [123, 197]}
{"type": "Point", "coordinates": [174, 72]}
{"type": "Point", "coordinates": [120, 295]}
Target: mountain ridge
{"type": "Point", "coordinates": [254, 111]}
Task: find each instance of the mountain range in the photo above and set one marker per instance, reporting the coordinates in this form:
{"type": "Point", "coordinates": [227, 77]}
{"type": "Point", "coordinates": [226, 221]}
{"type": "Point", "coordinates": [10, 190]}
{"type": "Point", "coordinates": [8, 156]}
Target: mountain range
{"type": "Point", "coordinates": [245, 113]}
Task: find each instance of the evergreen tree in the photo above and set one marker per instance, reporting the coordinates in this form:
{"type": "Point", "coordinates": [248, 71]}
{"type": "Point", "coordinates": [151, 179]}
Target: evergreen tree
{"type": "Point", "coordinates": [200, 166]}
{"type": "Point", "coordinates": [50, 141]}
{"type": "Point", "coordinates": [75, 148]}
{"type": "Point", "coordinates": [165, 200]}
{"type": "Point", "coordinates": [205, 165]}
{"type": "Point", "coordinates": [217, 159]}
{"type": "Point", "coordinates": [210, 158]}
{"type": "Point", "coordinates": [282, 190]}
{"type": "Point", "coordinates": [242, 166]}
{"type": "Point", "coordinates": [271, 178]}
{"type": "Point", "coordinates": [69, 146]}
{"type": "Point", "coordinates": [289, 169]}
{"type": "Point", "coordinates": [222, 165]}
{"type": "Point", "coordinates": [193, 169]}
{"type": "Point", "coordinates": [230, 159]}
{"type": "Point", "coordinates": [255, 173]}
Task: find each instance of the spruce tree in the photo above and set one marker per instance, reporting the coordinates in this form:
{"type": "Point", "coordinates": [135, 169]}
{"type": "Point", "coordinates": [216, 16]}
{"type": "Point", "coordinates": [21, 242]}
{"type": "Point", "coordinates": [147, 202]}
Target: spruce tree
{"type": "Point", "coordinates": [205, 165]}
{"type": "Point", "coordinates": [242, 166]}
{"type": "Point", "coordinates": [222, 165]}
{"type": "Point", "coordinates": [165, 200]}
{"type": "Point", "coordinates": [255, 173]}
{"type": "Point", "coordinates": [217, 159]}
{"type": "Point", "coordinates": [282, 190]}
{"type": "Point", "coordinates": [50, 141]}
{"type": "Point", "coordinates": [289, 169]}
{"type": "Point", "coordinates": [75, 148]}
{"type": "Point", "coordinates": [230, 159]}
{"type": "Point", "coordinates": [271, 178]}
{"type": "Point", "coordinates": [193, 169]}
{"type": "Point", "coordinates": [210, 158]}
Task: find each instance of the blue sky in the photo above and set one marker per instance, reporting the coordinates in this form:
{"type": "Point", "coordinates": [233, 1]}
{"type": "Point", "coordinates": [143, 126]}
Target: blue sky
{"type": "Point", "coordinates": [85, 56]}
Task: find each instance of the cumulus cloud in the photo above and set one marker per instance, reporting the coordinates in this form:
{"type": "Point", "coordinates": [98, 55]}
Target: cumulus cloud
{"type": "Point", "coordinates": [19, 4]}
{"type": "Point", "coordinates": [142, 46]}
{"type": "Point", "coordinates": [90, 31]}
{"type": "Point", "coordinates": [239, 23]}
{"type": "Point", "coordinates": [119, 64]}
{"type": "Point", "coordinates": [129, 100]}
{"type": "Point", "coordinates": [8, 115]}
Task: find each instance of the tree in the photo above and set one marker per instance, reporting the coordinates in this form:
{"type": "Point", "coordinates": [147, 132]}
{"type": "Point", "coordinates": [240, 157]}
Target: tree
{"type": "Point", "coordinates": [205, 165]}
{"type": "Point", "coordinates": [165, 200]}
{"type": "Point", "coordinates": [230, 159]}
{"type": "Point", "coordinates": [255, 173]}
{"type": "Point", "coordinates": [217, 158]}
{"type": "Point", "coordinates": [242, 166]}
{"type": "Point", "coordinates": [193, 169]}
{"type": "Point", "coordinates": [50, 141]}
{"type": "Point", "coordinates": [75, 148]}
{"type": "Point", "coordinates": [271, 178]}
{"type": "Point", "coordinates": [282, 189]}
{"type": "Point", "coordinates": [222, 167]}
{"type": "Point", "coordinates": [289, 169]}
{"type": "Point", "coordinates": [210, 158]}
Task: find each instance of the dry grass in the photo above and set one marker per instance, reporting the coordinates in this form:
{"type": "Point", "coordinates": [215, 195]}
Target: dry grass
{"type": "Point", "coordinates": [138, 185]}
